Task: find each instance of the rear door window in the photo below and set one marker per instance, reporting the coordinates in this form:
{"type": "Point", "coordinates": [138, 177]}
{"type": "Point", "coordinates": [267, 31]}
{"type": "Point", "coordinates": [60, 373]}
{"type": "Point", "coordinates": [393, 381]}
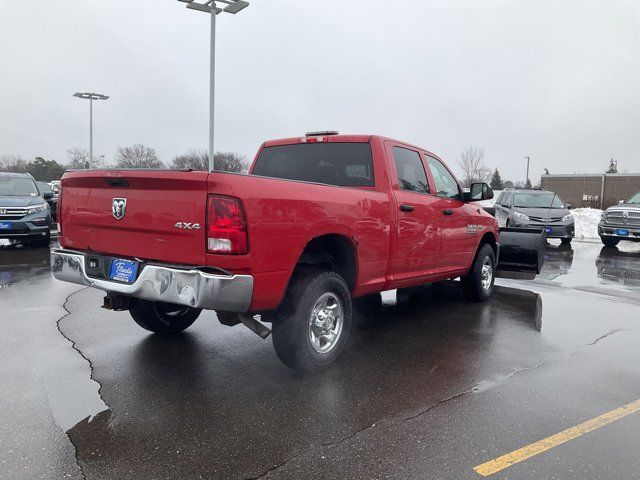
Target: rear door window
{"type": "Point", "coordinates": [341, 164]}
{"type": "Point", "coordinates": [410, 170]}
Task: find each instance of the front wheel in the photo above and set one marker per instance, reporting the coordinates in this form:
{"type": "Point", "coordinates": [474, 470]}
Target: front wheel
{"type": "Point", "coordinates": [610, 241]}
{"type": "Point", "coordinates": [477, 284]}
{"type": "Point", "coordinates": [163, 318]}
{"type": "Point", "coordinates": [312, 327]}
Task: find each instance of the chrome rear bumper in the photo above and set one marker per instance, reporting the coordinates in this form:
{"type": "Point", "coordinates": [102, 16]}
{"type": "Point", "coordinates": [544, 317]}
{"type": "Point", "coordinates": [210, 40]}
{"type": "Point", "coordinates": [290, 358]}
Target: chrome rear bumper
{"type": "Point", "coordinates": [192, 288]}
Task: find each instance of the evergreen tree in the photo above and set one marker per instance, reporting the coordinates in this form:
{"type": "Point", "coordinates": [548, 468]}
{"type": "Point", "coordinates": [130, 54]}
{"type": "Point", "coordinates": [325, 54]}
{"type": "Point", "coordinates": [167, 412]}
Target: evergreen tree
{"type": "Point", "coordinates": [496, 181]}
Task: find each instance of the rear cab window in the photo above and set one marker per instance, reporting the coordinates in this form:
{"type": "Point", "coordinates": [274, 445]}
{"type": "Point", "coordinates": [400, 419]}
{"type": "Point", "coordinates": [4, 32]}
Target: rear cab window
{"type": "Point", "coordinates": [343, 164]}
{"type": "Point", "coordinates": [410, 170]}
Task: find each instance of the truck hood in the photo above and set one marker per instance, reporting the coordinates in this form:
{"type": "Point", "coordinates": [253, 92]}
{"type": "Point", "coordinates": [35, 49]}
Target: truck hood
{"type": "Point", "coordinates": [622, 206]}
{"type": "Point", "coordinates": [19, 201]}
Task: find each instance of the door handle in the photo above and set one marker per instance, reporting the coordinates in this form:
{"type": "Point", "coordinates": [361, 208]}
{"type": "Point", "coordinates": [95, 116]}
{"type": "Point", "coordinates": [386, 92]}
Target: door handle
{"type": "Point", "coordinates": [407, 208]}
{"type": "Point", "coordinates": [447, 212]}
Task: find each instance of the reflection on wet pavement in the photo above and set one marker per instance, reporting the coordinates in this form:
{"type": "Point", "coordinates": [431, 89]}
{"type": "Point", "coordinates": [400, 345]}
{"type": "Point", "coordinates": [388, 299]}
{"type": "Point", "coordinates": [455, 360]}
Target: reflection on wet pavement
{"type": "Point", "coordinates": [619, 267]}
{"type": "Point", "coordinates": [18, 263]}
{"type": "Point", "coordinates": [573, 266]}
{"type": "Point", "coordinates": [423, 377]}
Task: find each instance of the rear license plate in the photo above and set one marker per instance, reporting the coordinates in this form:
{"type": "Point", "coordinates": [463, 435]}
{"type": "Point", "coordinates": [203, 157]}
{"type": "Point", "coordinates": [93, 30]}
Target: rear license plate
{"type": "Point", "coordinates": [6, 225]}
{"type": "Point", "coordinates": [124, 271]}
{"type": "Point", "coordinates": [623, 232]}
{"type": "Point", "coordinates": [548, 229]}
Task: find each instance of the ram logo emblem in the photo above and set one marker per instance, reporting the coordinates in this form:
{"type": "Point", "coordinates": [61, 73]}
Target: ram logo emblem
{"type": "Point", "coordinates": [119, 208]}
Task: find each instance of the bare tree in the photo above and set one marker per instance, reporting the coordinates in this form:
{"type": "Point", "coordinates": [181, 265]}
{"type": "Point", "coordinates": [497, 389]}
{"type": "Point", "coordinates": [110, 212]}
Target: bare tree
{"type": "Point", "coordinates": [199, 160]}
{"type": "Point", "coordinates": [137, 156]}
{"type": "Point", "coordinates": [471, 162]}
{"type": "Point", "coordinates": [78, 158]}
{"type": "Point", "coordinates": [193, 159]}
{"type": "Point", "coordinates": [13, 164]}
{"type": "Point", "coordinates": [231, 162]}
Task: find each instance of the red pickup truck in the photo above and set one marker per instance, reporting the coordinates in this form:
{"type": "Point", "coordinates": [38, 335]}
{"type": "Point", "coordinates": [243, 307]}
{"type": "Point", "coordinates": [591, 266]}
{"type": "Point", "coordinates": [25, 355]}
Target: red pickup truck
{"type": "Point", "coordinates": [320, 220]}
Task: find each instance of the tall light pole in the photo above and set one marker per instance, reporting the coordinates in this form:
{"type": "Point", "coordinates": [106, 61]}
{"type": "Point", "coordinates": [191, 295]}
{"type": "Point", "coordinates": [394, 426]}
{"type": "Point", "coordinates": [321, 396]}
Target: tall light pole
{"type": "Point", "coordinates": [91, 97]}
{"type": "Point", "coordinates": [209, 6]}
{"type": "Point", "coordinates": [527, 171]}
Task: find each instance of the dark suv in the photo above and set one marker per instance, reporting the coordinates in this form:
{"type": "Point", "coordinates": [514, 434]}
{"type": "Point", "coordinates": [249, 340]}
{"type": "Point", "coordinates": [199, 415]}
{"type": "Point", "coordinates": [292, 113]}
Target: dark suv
{"type": "Point", "coordinates": [51, 198]}
{"type": "Point", "coordinates": [535, 208]}
{"type": "Point", "coordinates": [24, 213]}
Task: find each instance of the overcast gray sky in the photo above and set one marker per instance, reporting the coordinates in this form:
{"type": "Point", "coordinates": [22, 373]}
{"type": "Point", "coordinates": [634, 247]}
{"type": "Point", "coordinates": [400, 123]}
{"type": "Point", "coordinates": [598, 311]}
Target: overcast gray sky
{"type": "Point", "coordinates": [556, 80]}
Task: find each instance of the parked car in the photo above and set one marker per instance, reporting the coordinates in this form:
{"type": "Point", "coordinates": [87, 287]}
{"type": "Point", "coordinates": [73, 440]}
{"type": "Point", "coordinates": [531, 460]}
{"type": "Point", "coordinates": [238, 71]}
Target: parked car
{"type": "Point", "coordinates": [50, 196]}
{"type": "Point", "coordinates": [55, 186]}
{"type": "Point", "coordinates": [319, 220]}
{"type": "Point", "coordinates": [535, 208]}
{"type": "Point", "coordinates": [621, 222]}
{"type": "Point", "coordinates": [24, 214]}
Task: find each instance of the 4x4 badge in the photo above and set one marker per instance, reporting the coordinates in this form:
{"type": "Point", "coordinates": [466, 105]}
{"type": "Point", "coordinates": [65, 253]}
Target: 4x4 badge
{"type": "Point", "coordinates": [119, 208]}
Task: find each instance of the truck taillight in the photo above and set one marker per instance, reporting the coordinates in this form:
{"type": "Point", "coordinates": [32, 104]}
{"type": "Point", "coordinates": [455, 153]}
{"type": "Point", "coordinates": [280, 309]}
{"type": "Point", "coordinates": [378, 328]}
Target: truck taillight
{"type": "Point", "coordinates": [226, 226]}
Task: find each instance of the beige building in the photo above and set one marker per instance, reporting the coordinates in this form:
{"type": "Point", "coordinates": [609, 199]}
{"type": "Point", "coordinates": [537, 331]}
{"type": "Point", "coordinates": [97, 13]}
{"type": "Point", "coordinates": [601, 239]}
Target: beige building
{"type": "Point", "coordinates": [596, 190]}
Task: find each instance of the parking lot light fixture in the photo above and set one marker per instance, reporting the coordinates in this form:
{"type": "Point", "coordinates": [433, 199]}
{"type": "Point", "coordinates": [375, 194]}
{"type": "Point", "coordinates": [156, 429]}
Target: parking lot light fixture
{"type": "Point", "coordinates": [211, 7]}
{"type": "Point", "coordinates": [91, 97]}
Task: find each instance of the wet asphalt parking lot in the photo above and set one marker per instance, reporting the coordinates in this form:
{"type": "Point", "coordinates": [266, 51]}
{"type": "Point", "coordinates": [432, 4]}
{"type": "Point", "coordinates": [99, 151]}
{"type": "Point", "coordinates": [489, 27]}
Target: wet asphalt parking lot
{"type": "Point", "coordinates": [430, 387]}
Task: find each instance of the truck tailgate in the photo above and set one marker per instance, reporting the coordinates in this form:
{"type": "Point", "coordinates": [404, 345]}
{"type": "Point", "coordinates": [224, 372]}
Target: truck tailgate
{"type": "Point", "coordinates": [152, 225]}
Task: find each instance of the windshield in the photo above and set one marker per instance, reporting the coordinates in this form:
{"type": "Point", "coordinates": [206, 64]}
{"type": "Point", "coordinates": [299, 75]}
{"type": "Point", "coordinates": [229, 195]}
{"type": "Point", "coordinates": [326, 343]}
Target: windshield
{"type": "Point", "coordinates": [44, 188]}
{"type": "Point", "coordinates": [537, 200]}
{"type": "Point", "coordinates": [18, 186]}
{"type": "Point", "coordinates": [635, 198]}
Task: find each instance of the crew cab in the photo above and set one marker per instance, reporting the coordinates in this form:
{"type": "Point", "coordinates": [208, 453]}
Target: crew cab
{"type": "Point", "coordinates": [319, 220]}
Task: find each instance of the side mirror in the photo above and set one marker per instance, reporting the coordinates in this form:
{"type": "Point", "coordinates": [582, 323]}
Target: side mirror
{"type": "Point", "coordinates": [47, 196]}
{"type": "Point", "coordinates": [478, 191]}
{"type": "Point", "coordinates": [620, 202]}
{"type": "Point", "coordinates": [569, 206]}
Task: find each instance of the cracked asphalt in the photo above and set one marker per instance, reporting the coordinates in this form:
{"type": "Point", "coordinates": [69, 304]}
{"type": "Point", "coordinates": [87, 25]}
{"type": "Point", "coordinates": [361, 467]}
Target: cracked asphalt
{"type": "Point", "coordinates": [428, 388]}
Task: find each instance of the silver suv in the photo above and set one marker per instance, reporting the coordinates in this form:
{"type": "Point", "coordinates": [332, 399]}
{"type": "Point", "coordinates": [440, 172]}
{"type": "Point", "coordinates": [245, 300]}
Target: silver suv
{"type": "Point", "coordinates": [621, 222]}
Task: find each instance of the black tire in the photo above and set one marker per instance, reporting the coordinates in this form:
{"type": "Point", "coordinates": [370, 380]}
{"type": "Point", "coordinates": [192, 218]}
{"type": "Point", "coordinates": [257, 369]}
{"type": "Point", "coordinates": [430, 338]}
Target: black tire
{"type": "Point", "coordinates": [474, 286]}
{"type": "Point", "coordinates": [566, 241]}
{"type": "Point", "coordinates": [610, 241]}
{"type": "Point", "coordinates": [163, 318]}
{"type": "Point", "coordinates": [292, 329]}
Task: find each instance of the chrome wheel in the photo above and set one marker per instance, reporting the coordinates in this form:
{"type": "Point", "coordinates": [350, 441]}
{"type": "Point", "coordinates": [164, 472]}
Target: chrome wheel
{"type": "Point", "coordinates": [486, 274]}
{"type": "Point", "coordinates": [325, 323]}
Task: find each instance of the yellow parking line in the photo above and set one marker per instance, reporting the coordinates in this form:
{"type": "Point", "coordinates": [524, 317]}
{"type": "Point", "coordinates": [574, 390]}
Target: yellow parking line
{"type": "Point", "coordinates": [505, 461]}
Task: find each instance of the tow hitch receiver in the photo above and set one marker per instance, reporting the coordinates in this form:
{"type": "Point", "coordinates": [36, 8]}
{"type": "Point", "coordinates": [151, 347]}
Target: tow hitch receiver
{"type": "Point", "coordinates": [522, 252]}
{"type": "Point", "coordinates": [117, 303]}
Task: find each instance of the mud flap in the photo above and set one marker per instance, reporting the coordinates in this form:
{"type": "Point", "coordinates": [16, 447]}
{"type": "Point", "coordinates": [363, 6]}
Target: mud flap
{"type": "Point", "coordinates": [522, 252]}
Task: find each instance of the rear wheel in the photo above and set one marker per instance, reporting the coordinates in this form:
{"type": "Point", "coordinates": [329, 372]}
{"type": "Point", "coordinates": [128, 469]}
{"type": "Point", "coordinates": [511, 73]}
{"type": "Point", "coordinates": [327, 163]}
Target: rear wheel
{"type": "Point", "coordinates": [477, 285]}
{"type": "Point", "coordinates": [610, 241]}
{"type": "Point", "coordinates": [163, 318]}
{"type": "Point", "coordinates": [312, 327]}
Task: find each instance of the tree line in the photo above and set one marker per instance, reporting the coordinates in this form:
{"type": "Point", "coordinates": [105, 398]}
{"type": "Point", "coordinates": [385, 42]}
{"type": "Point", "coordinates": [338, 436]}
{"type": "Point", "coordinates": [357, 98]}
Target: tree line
{"type": "Point", "coordinates": [134, 156]}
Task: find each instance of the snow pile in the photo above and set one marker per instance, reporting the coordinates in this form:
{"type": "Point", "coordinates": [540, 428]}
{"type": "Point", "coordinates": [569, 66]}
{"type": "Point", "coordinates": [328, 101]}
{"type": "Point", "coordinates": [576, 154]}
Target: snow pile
{"type": "Point", "coordinates": [587, 220]}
